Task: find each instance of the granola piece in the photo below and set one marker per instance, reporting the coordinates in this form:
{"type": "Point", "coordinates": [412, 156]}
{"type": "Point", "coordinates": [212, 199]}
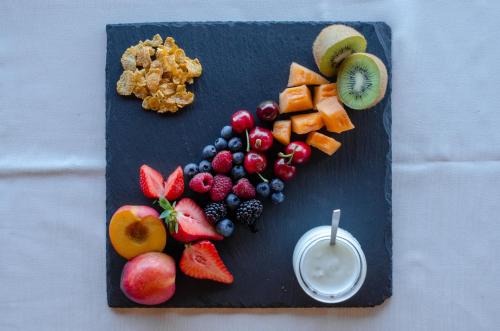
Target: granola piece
{"type": "Point", "coordinates": [126, 83]}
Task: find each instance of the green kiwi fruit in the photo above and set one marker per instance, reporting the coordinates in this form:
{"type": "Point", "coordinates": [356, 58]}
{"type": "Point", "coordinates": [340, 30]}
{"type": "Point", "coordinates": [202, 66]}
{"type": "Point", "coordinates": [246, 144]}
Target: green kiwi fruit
{"type": "Point", "coordinates": [361, 81]}
{"type": "Point", "coordinates": [333, 44]}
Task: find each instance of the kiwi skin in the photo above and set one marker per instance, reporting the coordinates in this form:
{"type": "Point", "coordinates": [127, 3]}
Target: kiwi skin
{"type": "Point", "coordinates": [330, 36]}
{"type": "Point", "coordinates": [383, 78]}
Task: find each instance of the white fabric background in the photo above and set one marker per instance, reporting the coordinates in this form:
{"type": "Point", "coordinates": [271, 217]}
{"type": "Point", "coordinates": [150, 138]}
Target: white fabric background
{"type": "Point", "coordinates": [446, 171]}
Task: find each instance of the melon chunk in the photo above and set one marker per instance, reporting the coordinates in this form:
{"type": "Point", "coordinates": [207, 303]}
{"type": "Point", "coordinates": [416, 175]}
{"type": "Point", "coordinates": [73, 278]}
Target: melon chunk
{"type": "Point", "coordinates": [302, 124]}
{"type": "Point", "coordinates": [323, 143]}
{"type": "Point", "coordinates": [282, 131]}
{"type": "Point", "coordinates": [295, 99]}
{"type": "Point", "coordinates": [300, 75]}
{"type": "Point", "coordinates": [324, 91]}
{"type": "Point", "coordinates": [334, 115]}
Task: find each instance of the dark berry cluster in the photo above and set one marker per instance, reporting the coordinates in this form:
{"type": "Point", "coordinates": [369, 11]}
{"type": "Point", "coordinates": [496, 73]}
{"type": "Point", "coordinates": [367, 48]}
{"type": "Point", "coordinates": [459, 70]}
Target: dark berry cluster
{"type": "Point", "coordinates": [231, 170]}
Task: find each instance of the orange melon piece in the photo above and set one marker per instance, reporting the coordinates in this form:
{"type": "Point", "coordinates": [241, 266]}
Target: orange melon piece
{"type": "Point", "coordinates": [300, 75]}
{"type": "Point", "coordinates": [282, 130]}
{"type": "Point", "coordinates": [295, 99]}
{"type": "Point", "coordinates": [302, 124]}
{"type": "Point", "coordinates": [324, 91]}
{"type": "Point", "coordinates": [323, 143]}
{"type": "Point", "coordinates": [334, 115]}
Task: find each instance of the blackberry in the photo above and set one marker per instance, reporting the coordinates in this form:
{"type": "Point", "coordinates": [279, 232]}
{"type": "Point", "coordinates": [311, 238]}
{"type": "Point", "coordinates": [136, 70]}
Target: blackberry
{"type": "Point", "coordinates": [215, 211]}
{"type": "Point", "coordinates": [249, 211]}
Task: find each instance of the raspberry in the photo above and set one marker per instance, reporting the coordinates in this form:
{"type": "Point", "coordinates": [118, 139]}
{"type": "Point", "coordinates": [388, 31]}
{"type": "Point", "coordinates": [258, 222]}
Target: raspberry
{"type": "Point", "coordinates": [244, 189]}
{"type": "Point", "coordinates": [202, 182]}
{"type": "Point", "coordinates": [221, 188]}
{"type": "Point", "coordinates": [222, 162]}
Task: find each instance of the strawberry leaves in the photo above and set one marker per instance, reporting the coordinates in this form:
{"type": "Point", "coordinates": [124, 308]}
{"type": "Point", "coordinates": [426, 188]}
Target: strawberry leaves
{"type": "Point", "coordinates": [169, 215]}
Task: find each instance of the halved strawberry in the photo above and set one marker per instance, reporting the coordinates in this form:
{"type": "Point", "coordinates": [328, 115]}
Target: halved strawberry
{"type": "Point", "coordinates": [192, 224]}
{"type": "Point", "coordinates": [186, 221]}
{"type": "Point", "coordinates": [174, 185]}
{"type": "Point", "coordinates": [201, 260]}
{"type": "Point", "coordinates": [151, 182]}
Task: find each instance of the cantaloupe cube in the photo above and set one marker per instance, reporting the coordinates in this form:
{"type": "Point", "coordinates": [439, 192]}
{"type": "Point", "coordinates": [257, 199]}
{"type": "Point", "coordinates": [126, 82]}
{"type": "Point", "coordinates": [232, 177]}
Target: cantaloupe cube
{"type": "Point", "coordinates": [282, 130]}
{"type": "Point", "coordinates": [323, 143]}
{"type": "Point", "coordinates": [295, 99]}
{"type": "Point", "coordinates": [334, 115]}
{"type": "Point", "coordinates": [305, 123]}
{"type": "Point", "coordinates": [300, 75]}
{"type": "Point", "coordinates": [324, 91]}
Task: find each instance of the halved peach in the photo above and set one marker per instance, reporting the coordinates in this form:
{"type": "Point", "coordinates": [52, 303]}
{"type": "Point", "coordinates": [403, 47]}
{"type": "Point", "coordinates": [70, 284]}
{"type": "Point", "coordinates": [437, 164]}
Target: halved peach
{"type": "Point", "coordinates": [306, 123]}
{"type": "Point", "coordinates": [134, 230]}
{"type": "Point", "coordinates": [334, 115]}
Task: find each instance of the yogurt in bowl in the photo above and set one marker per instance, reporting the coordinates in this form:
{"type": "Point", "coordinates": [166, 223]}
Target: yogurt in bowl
{"type": "Point", "coordinates": [328, 273]}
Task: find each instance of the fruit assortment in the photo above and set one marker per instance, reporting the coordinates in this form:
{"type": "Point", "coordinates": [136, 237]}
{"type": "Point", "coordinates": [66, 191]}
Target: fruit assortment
{"type": "Point", "coordinates": [231, 173]}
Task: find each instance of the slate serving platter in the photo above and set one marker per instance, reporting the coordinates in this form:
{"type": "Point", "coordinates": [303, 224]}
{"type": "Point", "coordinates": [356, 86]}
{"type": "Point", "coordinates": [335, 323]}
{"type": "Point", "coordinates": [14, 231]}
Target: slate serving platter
{"type": "Point", "coordinates": [243, 64]}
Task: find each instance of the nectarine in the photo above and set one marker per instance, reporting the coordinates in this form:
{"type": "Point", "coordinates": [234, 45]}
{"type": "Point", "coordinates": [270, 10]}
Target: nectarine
{"type": "Point", "coordinates": [149, 279]}
{"type": "Point", "coordinates": [134, 230]}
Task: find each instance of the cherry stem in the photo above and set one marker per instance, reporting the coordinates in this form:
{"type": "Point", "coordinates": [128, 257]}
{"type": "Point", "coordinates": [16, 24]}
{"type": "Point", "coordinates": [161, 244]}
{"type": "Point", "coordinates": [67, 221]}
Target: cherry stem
{"type": "Point", "coordinates": [262, 177]}
{"type": "Point", "coordinates": [288, 156]}
{"type": "Point", "coordinates": [248, 141]}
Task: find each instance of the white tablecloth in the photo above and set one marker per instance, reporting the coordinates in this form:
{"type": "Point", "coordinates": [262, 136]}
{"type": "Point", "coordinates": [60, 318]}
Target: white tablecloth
{"type": "Point", "coordinates": [446, 171]}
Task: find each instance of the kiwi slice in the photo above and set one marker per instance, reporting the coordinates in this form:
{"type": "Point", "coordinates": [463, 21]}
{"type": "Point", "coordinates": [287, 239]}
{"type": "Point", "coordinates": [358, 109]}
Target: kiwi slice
{"type": "Point", "coordinates": [333, 44]}
{"type": "Point", "coordinates": [361, 81]}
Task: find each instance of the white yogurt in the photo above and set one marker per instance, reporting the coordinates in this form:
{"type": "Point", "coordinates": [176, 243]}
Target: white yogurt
{"type": "Point", "coordinates": [330, 269]}
{"type": "Point", "coordinates": [329, 273]}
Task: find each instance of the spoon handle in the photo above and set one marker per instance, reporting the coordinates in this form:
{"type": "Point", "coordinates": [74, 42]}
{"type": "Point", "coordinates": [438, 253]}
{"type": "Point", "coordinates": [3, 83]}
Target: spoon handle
{"type": "Point", "coordinates": [335, 225]}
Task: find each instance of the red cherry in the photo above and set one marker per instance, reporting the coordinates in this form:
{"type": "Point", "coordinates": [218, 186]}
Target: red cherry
{"type": "Point", "coordinates": [300, 152]}
{"type": "Point", "coordinates": [268, 111]}
{"type": "Point", "coordinates": [255, 162]}
{"type": "Point", "coordinates": [242, 120]}
{"type": "Point", "coordinates": [283, 170]}
{"type": "Point", "coordinates": [260, 139]}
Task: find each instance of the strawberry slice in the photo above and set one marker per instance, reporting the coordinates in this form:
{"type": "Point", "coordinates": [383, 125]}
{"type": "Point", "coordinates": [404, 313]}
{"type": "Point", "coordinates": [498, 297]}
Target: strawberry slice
{"type": "Point", "coordinates": [174, 185]}
{"type": "Point", "coordinates": [192, 223]}
{"type": "Point", "coordinates": [151, 182]}
{"type": "Point", "coordinates": [201, 260]}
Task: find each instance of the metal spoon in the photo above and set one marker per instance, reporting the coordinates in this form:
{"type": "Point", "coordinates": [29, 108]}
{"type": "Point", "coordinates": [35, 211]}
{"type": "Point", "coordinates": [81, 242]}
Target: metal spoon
{"type": "Point", "coordinates": [335, 226]}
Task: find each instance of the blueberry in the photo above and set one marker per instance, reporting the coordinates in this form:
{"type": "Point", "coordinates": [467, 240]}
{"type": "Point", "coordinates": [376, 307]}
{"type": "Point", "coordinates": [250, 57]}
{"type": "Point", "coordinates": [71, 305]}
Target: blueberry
{"type": "Point", "coordinates": [226, 132]}
{"type": "Point", "coordinates": [205, 166]}
{"type": "Point", "coordinates": [191, 169]}
{"type": "Point", "coordinates": [225, 227]}
{"type": "Point", "coordinates": [209, 152]}
{"type": "Point", "coordinates": [232, 201]}
{"type": "Point", "coordinates": [277, 185]}
{"type": "Point", "coordinates": [220, 144]}
{"type": "Point", "coordinates": [263, 189]}
{"type": "Point", "coordinates": [238, 157]}
{"type": "Point", "coordinates": [238, 172]}
{"type": "Point", "coordinates": [277, 197]}
{"type": "Point", "coordinates": [235, 144]}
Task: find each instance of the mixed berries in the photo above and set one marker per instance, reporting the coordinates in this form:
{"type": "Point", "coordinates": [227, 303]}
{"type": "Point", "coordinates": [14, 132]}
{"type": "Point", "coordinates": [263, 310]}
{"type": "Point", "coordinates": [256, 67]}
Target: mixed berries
{"type": "Point", "coordinates": [232, 172]}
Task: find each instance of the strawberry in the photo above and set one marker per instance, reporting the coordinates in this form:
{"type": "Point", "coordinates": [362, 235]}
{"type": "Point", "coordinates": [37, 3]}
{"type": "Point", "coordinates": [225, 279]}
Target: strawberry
{"type": "Point", "coordinates": [174, 185]}
{"type": "Point", "coordinates": [187, 222]}
{"type": "Point", "coordinates": [222, 162]}
{"type": "Point", "coordinates": [201, 260]}
{"type": "Point", "coordinates": [151, 182]}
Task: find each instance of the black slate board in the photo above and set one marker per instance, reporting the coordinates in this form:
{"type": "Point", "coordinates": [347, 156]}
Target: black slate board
{"type": "Point", "coordinates": [244, 63]}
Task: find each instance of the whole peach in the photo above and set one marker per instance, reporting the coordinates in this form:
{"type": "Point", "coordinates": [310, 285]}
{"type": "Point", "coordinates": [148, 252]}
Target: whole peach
{"type": "Point", "coordinates": [149, 278]}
